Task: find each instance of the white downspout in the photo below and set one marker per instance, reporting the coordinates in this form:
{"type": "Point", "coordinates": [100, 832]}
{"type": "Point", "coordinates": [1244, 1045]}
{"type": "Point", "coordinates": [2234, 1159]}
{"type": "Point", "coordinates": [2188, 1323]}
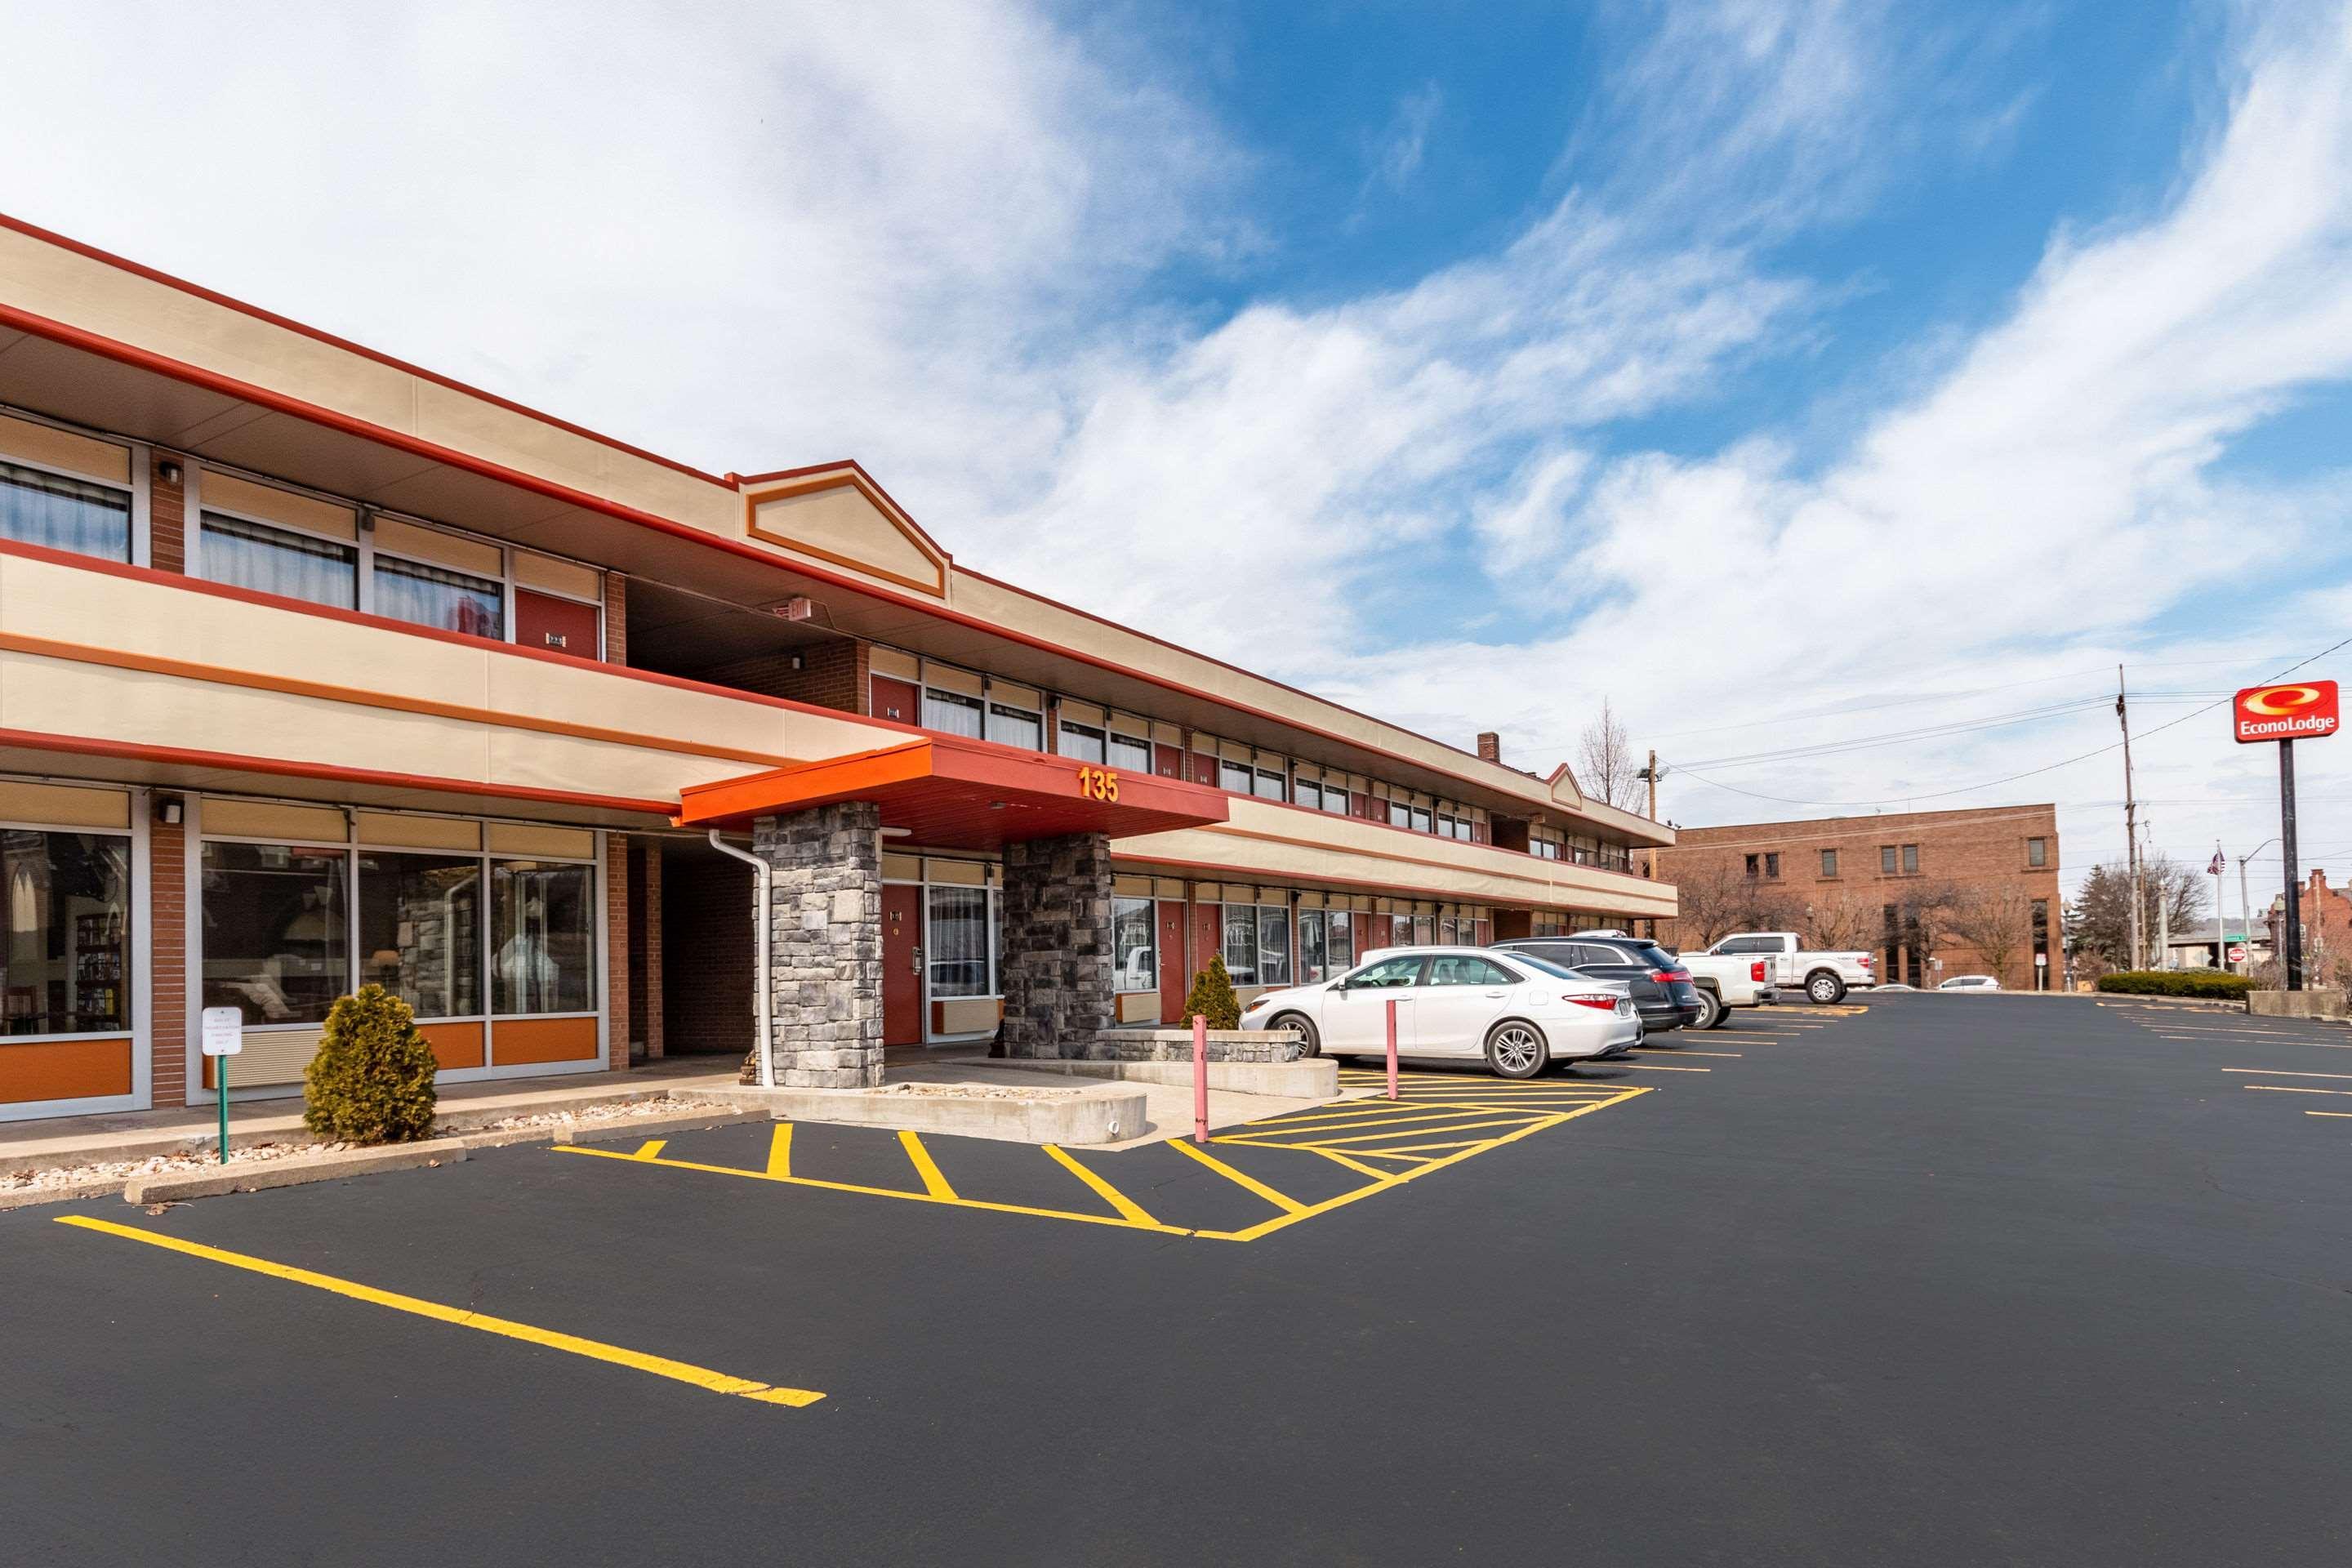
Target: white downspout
{"type": "Point", "coordinates": [763, 876]}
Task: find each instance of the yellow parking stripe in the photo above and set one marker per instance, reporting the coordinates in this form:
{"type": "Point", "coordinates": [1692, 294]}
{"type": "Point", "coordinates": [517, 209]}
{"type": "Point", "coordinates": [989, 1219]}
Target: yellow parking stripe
{"type": "Point", "coordinates": [650, 1149]}
{"type": "Point", "coordinates": [1279, 1200]}
{"type": "Point", "coordinates": [926, 1167]}
{"type": "Point", "coordinates": [2282, 1072]}
{"type": "Point", "coordinates": [594, 1350]}
{"type": "Point", "coordinates": [1680, 1052]}
{"type": "Point", "coordinates": [1377, 1137]}
{"type": "Point", "coordinates": [1352, 1163]}
{"type": "Point", "coordinates": [1127, 1207]}
{"type": "Point", "coordinates": [1418, 1113]}
{"type": "Point", "coordinates": [2344, 1113]}
{"type": "Point", "coordinates": [1654, 1066]}
{"type": "Point", "coordinates": [780, 1151]}
{"type": "Point", "coordinates": [2291, 1089]}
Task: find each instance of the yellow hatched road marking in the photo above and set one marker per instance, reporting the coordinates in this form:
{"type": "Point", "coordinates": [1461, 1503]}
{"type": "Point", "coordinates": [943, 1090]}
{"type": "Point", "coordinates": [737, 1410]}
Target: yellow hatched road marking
{"type": "Point", "coordinates": [1127, 1207]}
{"type": "Point", "coordinates": [2282, 1072]}
{"type": "Point", "coordinates": [1280, 1200]}
{"type": "Point", "coordinates": [1419, 1113]}
{"type": "Point", "coordinates": [594, 1350]}
{"type": "Point", "coordinates": [780, 1151]}
{"type": "Point", "coordinates": [1407, 1151]}
{"type": "Point", "coordinates": [1457, 1126]}
{"type": "Point", "coordinates": [1352, 1163]}
{"type": "Point", "coordinates": [650, 1149]}
{"type": "Point", "coordinates": [926, 1167]}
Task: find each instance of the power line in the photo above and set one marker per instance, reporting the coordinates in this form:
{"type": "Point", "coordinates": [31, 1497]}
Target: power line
{"type": "Point", "coordinates": [2009, 778]}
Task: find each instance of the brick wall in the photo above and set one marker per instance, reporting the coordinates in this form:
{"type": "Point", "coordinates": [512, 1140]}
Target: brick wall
{"type": "Point", "coordinates": [617, 618]}
{"type": "Point", "coordinates": [167, 530]}
{"type": "Point", "coordinates": [616, 957]}
{"type": "Point", "coordinates": [167, 967]}
{"type": "Point", "coordinates": [832, 675]}
{"type": "Point", "coordinates": [706, 976]}
{"type": "Point", "coordinates": [645, 943]}
{"type": "Point", "coordinates": [1980, 852]}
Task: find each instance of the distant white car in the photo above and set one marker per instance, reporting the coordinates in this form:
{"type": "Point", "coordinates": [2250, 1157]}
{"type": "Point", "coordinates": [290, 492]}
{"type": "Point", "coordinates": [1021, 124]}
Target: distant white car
{"type": "Point", "coordinates": [1970, 982]}
{"type": "Point", "coordinates": [1517, 1011]}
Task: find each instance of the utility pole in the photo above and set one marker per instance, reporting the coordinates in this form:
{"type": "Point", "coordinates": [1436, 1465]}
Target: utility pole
{"type": "Point", "coordinates": [1649, 776]}
{"type": "Point", "coordinates": [2131, 818]}
{"type": "Point", "coordinates": [2221, 936]}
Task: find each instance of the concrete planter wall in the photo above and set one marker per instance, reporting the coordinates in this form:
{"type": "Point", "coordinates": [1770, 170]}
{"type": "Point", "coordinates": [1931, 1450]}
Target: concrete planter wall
{"type": "Point", "coordinates": [1176, 1045]}
{"type": "Point", "coordinates": [2314, 1002]}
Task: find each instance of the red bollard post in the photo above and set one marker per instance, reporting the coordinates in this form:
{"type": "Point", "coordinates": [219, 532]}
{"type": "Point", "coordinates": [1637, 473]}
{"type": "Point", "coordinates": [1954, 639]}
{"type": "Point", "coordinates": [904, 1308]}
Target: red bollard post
{"type": "Point", "coordinates": [1392, 1089]}
{"type": "Point", "coordinates": [1200, 1079]}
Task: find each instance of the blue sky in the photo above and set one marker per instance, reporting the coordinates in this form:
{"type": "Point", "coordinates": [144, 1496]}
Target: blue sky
{"type": "Point", "coordinates": [1785, 372]}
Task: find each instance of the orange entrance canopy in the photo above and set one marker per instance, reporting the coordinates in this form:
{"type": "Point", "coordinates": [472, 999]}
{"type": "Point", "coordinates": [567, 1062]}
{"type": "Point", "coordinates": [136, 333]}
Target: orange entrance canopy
{"type": "Point", "coordinates": [951, 793]}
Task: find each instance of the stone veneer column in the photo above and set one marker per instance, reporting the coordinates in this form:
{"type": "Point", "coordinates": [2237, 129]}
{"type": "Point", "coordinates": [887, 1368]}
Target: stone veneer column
{"type": "Point", "coordinates": [824, 944]}
{"type": "Point", "coordinates": [1058, 962]}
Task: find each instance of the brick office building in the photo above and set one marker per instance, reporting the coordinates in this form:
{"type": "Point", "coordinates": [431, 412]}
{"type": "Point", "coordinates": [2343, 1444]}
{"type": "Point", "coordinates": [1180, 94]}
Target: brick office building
{"type": "Point", "coordinates": [1932, 893]}
{"type": "Point", "coordinates": [318, 669]}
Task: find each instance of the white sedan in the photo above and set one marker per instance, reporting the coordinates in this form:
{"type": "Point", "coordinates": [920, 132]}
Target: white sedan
{"type": "Point", "coordinates": [1517, 1011]}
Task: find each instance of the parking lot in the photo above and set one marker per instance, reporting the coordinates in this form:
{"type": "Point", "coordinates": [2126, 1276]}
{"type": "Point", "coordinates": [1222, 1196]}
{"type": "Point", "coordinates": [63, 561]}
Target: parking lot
{"type": "Point", "coordinates": [1938, 1280]}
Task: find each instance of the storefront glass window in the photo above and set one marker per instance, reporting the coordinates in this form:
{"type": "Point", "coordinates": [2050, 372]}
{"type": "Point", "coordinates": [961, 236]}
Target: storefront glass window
{"type": "Point", "coordinates": [276, 941]}
{"type": "Point", "coordinates": [68, 947]}
{"type": "Point", "coordinates": [960, 942]}
{"type": "Point", "coordinates": [1311, 959]}
{"type": "Point", "coordinates": [64, 515]}
{"type": "Point", "coordinates": [1241, 943]}
{"type": "Point", "coordinates": [274, 561]}
{"type": "Point", "coordinates": [1340, 941]}
{"type": "Point", "coordinates": [421, 931]}
{"type": "Point", "coordinates": [1131, 922]}
{"type": "Point", "coordinates": [1274, 944]}
{"type": "Point", "coordinates": [430, 597]}
{"type": "Point", "coordinates": [542, 920]}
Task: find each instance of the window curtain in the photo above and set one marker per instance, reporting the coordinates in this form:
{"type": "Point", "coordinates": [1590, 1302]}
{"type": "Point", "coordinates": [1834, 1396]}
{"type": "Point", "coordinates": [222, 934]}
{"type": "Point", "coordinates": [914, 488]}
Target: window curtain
{"type": "Point", "coordinates": [429, 596]}
{"type": "Point", "coordinates": [273, 561]}
{"type": "Point", "coordinates": [959, 922]}
{"type": "Point", "coordinates": [64, 515]}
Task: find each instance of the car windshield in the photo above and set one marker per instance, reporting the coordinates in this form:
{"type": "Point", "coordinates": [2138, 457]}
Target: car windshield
{"type": "Point", "coordinates": [1649, 952]}
{"type": "Point", "coordinates": [1521, 955]}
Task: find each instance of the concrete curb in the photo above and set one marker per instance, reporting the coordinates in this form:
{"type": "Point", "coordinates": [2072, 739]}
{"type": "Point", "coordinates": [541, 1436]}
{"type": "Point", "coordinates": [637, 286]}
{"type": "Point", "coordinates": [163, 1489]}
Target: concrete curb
{"type": "Point", "coordinates": [598, 1131]}
{"type": "Point", "coordinates": [1093, 1114]}
{"type": "Point", "coordinates": [100, 1187]}
{"type": "Point", "coordinates": [293, 1171]}
{"type": "Point", "coordinates": [1314, 1078]}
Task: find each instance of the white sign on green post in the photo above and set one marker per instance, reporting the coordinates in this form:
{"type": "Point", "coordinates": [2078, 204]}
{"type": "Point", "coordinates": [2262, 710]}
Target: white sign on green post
{"type": "Point", "coordinates": [224, 1036]}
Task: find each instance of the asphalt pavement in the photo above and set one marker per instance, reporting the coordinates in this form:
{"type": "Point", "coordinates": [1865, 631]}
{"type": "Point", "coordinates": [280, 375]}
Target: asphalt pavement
{"type": "Point", "coordinates": [1954, 1280]}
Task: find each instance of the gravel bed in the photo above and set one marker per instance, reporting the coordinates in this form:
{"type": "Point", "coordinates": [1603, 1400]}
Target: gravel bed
{"type": "Point", "coordinates": [976, 1091]}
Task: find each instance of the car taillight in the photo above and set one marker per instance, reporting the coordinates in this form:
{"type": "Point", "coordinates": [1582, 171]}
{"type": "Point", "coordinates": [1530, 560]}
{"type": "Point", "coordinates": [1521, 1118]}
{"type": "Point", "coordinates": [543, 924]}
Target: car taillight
{"type": "Point", "coordinates": [1600, 999]}
{"type": "Point", "coordinates": [1868, 961]}
{"type": "Point", "coordinates": [1667, 977]}
{"type": "Point", "coordinates": [1756, 971]}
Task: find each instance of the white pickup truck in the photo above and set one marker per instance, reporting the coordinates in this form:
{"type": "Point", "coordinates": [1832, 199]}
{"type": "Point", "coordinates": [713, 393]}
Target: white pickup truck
{"type": "Point", "coordinates": [1724, 982]}
{"type": "Point", "coordinates": [1824, 977]}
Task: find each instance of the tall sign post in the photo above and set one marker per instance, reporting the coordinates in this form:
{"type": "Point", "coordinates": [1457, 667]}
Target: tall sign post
{"type": "Point", "coordinates": [2302, 710]}
{"type": "Point", "coordinates": [224, 1036]}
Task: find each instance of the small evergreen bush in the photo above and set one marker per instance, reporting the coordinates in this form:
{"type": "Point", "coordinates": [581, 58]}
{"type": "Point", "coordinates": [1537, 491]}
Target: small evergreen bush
{"type": "Point", "coordinates": [1212, 997]}
{"type": "Point", "coordinates": [372, 1081]}
{"type": "Point", "coordinates": [2211, 984]}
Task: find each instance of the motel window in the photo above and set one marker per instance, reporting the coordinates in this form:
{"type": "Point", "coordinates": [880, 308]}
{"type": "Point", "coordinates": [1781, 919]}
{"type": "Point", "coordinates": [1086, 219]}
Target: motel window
{"type": "Point", "coordinates": [543, 921]}
{"type": "Point", "coordinates": [1016, 727]}
{"type": "Point", "coordinates": [1886, 853]}
{"type": "Point", "coordinates": [1335, 799]}
{"type": "Point", "coordinates": [1399, 813]}
{"type": "Point", "coordinates": [1270, 786]}
{"type": "Point", "coordinates": [276, 941]}
{"type": "Point", "coordinates": [420, 933]}
{"type": "Point", "coordinates": [1083, 741]}
{"type": "Point", "coordinates": [1462, 829]}
{"type": "Point", "coordinates": [1829, 863]}
{"type": "Point", "coordinates": [952, 712]}
{"type": "Point", "coordinates": [1274, 944]}
{"type": "Point", "coordinates": [1128, 752]}
{"type": "Point", "coordinates": [2037, 852]}
{"type": "Point", "coordinates": [1238, 777]}
{"type": "Point", "coordinates": [1314, 951]}
{"type": "Point", "coordinates": [50, 509]}
{"type": "Point", "coordinates": [435, 596]}
{"type": "Point", "coordinates": [1130, 926]}
{"type": "Point", "coordinates": [280, 561]}
{"type": "Point", "coordinates": [1423, 820]}
{"type": "Point", "coordinates": [958, 941]}
{"type": "Point", "coordinates": [1544, 849]}
{"type": "Point", "coordinates": [1307, 793]}
{"type": "Point", "coordinates": [1445, 825]}
{"type": "Point", "coordinates": [69, 946]}
{"type": "Point", "coordinates": [1239, 941]}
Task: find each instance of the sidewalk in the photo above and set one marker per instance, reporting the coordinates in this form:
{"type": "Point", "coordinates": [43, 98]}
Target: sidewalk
{"type": "Point", "coordinates": [139, 1134]}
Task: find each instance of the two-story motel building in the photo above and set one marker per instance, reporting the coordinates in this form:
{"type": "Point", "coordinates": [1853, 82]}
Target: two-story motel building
{"type": "Point", "coordinates": [316, 669]}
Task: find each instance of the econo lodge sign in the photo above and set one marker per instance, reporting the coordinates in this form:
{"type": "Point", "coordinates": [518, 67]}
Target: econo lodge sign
{"type": "Point", "coordinates": [2297, 710]}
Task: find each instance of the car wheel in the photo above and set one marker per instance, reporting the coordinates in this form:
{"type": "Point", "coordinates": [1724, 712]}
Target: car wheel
{"type": "Point", "coordinates": [1517, 1050]}
{"type": "Point", "coordinates": [1711, 1010]}
{"type": "Point", "coordinates": [1825, 988]}
{"type": "Point", "coordinates": [1310, 1044]}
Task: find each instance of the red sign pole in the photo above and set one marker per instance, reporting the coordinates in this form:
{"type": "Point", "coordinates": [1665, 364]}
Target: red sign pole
{"type": "Point", "coordinates": [1393, 1087]}
{"type": "Point", "coordinates": [1200, 1079]}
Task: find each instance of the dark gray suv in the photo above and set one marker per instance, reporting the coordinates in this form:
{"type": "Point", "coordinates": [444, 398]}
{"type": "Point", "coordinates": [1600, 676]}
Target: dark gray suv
{"type": "Point", "coordinates": [1663, 992]}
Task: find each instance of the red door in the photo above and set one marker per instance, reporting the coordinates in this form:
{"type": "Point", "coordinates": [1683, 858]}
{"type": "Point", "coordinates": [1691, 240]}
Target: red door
{"type": "Point", "coordinates": [902, 965]}
{"type": "Point", "coordinates": [1175, 963]}
{"type": "Point", "coordinates": [897, 701]}
{"type": "Point", "coordinates": [557, 625]}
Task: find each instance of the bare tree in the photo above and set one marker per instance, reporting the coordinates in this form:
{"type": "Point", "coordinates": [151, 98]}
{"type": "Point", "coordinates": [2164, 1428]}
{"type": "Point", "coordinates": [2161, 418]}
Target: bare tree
{"type": "Point", "coordinates": [1845, 925]}
{"type": "Point", "coordinates": [1710, 903]}
{"type": "Point", "coordinates": [1996, 920]}
{"type": "Point", "coordinates": [1607, 769]}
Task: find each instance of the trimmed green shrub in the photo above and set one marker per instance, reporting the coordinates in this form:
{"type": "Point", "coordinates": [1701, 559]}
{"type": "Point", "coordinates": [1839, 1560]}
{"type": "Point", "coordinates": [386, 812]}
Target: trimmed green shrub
{"type": "Point", "coordinates": [2207, 982]}
{"type": "Point", "coordinates": [372, 1081]}
{"type": "Point", "coordinates": [1212, 997]}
